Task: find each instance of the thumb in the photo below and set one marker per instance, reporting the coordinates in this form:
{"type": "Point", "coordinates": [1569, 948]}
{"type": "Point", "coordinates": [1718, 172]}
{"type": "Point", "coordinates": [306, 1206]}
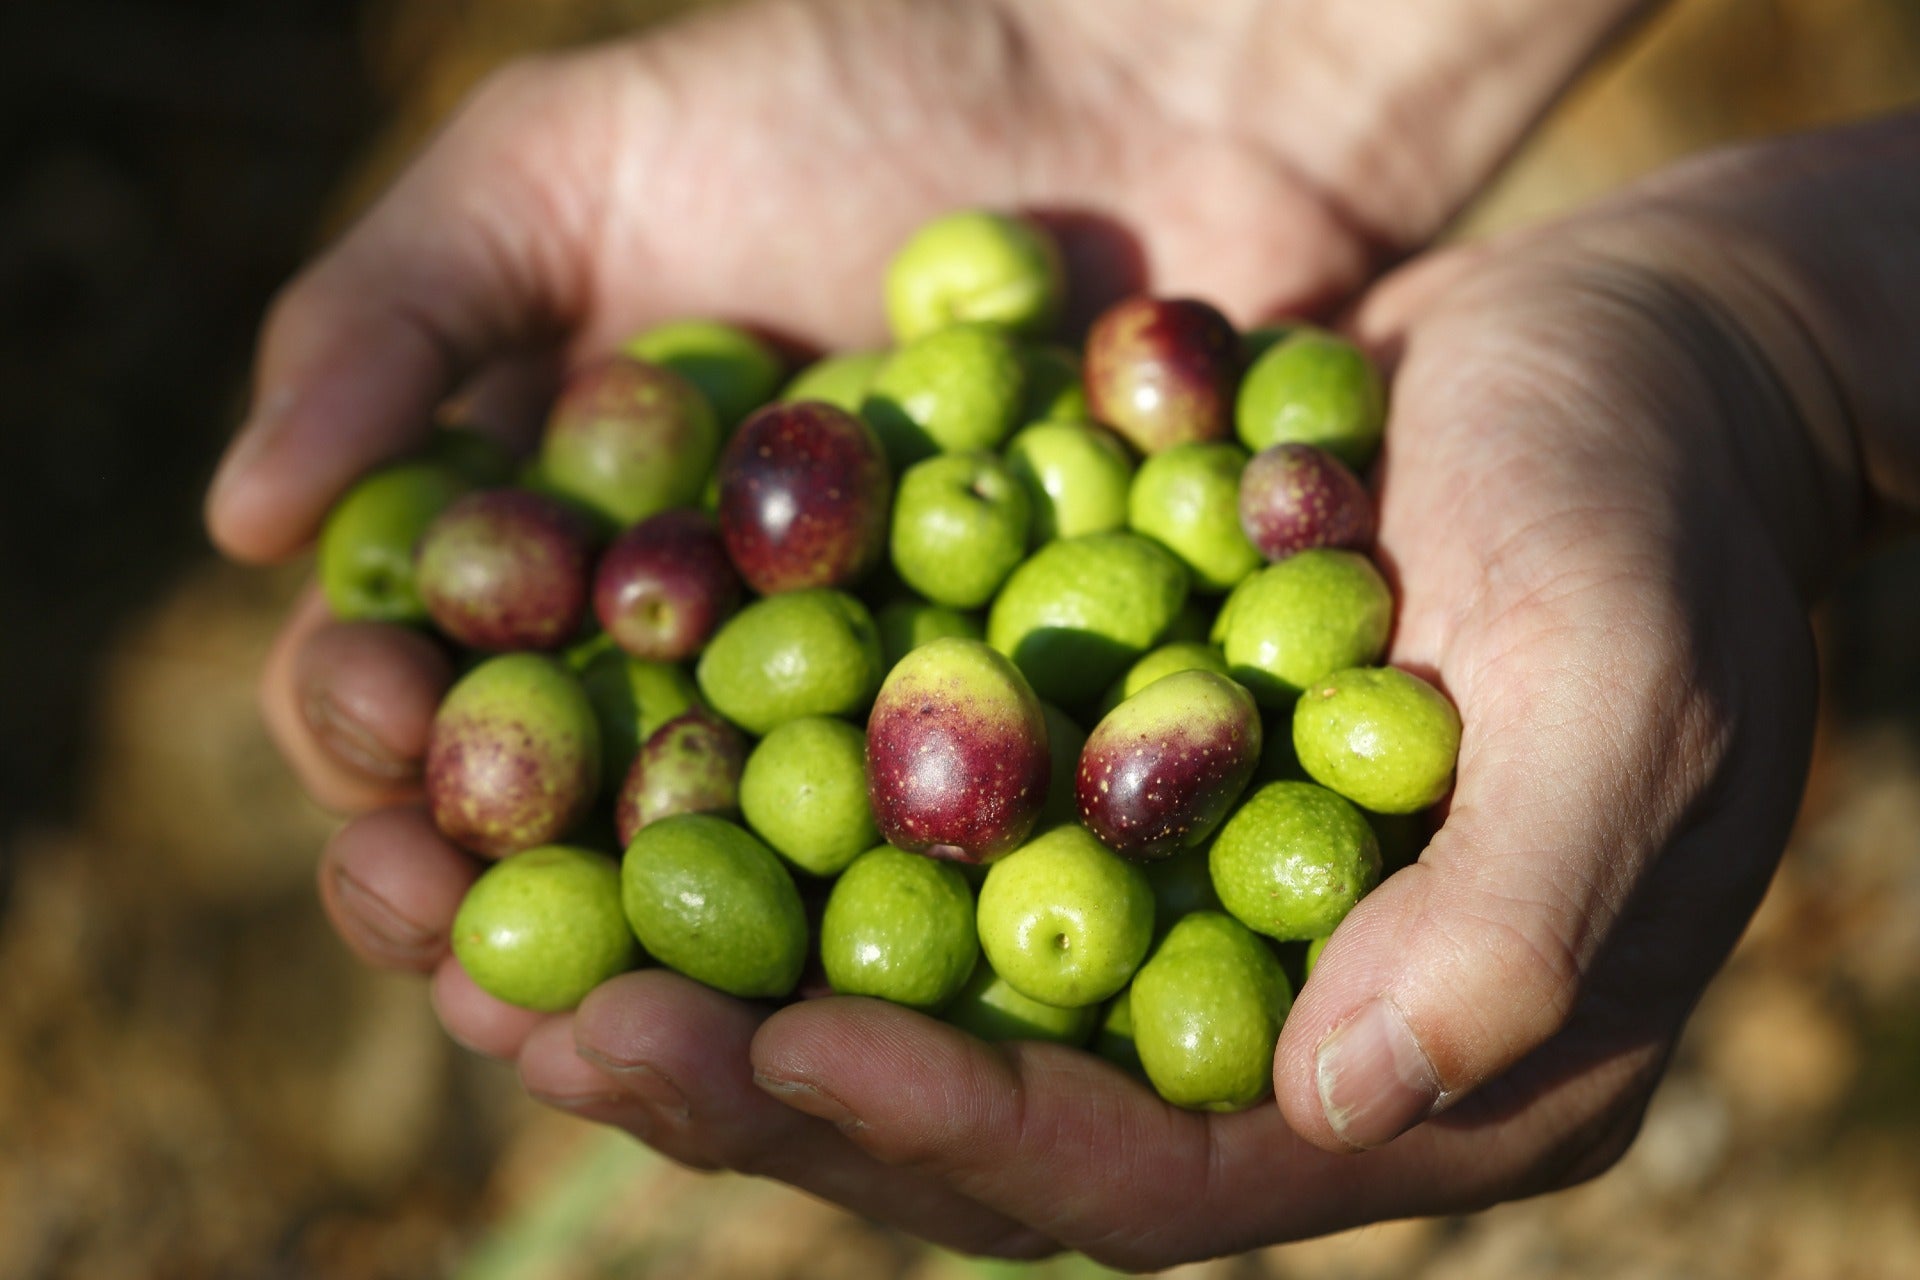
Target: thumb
{"type": "Point", "coordinates": [1595, 753]}
{"type": "Point", "coordinates": [472, 254]}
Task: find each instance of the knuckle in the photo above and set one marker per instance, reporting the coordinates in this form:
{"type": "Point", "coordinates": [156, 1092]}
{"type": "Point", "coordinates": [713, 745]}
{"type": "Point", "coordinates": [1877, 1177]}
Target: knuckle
{"type": "Point", "coordinates": [1535, 964]}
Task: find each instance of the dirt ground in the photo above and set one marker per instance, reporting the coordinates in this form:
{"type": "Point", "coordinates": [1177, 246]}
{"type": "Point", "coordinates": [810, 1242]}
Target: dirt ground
{"type": "Point", "coordinates": [196, 1081]}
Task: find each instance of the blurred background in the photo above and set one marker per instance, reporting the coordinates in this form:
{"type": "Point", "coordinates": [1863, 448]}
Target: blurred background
{"type": "Point", "coordinates": [195, 1080]}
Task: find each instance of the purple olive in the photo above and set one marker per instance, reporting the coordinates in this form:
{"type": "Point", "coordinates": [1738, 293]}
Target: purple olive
{"type": "Point", "coordinates": [664, 586]}
{"type": "Point", "coordinates": [506, 569]}
{"type": "Point", "coordinates": [957, 761]}
{"type": "Point", "coordinates": [691, 764]}
{"type": "Point", "coordinates": [1161, 770]}
{"type": "Point", "coordinates": [1163, 371]}
{"type": "Point", "coordinates": [1296, 497]}
{"type": "Point", "coordinates": [803, 497]}
{"type": "Point", "coordinates": [513, 755]}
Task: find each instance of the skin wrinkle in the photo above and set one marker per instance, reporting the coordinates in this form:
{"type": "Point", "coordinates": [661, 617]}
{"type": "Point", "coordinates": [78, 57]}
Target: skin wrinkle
{"type": "Point", "coordinates": [1725, 298]}
{"type": "Point", "coordinates": [1602, 1053]}
{"type": "Point", "coordinates": [1410, 158]}
{"type": "Point", "coordinates": [1222, 162]}
{"type": "Point", "coordinates": [1507, 638]}
{"type": "Point", "coordinates": [1624, 726]}
{"type": "Point", "coordinates": [1569, 949]}
{"type": "Point", "coordinates": [1638, 895]}
{"type": "Point", "coordinates": [1381, 160]}
{"type": "Point", "coordinates": [1710, 201]}
{"type": "Point", "coordinates": [1112, 34]}
{"type": "Point", "coordinates": [1480, 943]}
{"type": "Point", "coordinates": [1068, 162]}
{"type": "Point", "coordinates": [394, 935]}
{"type": "Point", "coordinates": [1528, 539]}
{"type": "Point", "coordinates": [1694, 684]}
{"type": "Point", "coordinates": [350, 738]}
{"type": "Point", "coordinates": [921, 1144]}
{"type": "Point", "coordinates": [1742, 391]}
{"type": "Point", "coordinates": [994, 50]}
{"type": "Point", "coordinates": [1058, 1130]}
{"type": "Point", "coordinates": [1482, 571]}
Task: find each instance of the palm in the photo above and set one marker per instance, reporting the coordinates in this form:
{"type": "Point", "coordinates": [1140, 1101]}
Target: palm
{"type": "Point", "coordinates": [760, 164]}
{"type": "Point", "coordinates": [765, 167]}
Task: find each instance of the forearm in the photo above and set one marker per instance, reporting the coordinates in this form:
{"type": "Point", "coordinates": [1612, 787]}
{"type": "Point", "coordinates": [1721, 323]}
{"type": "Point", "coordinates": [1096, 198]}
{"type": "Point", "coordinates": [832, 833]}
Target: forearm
{"type": "Point", "coordinates": [1399, 109]}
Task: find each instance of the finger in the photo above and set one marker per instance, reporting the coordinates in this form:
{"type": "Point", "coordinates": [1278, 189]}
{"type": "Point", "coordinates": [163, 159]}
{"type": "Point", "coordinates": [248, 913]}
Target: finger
{"type": "Point", "coordinates": [1090, 1157]}
{"type": "Point", "coordinates": [473, 254]}
{"type": "Point", "coordinates": [391, 884]}
{"type": "Point", "coordinates": [667, 1060]}
{"type": "Point", "coordinates": [1025, 1129]}
{"type": "Point", "coordinates": [477, 1020]}
{"type": "Point", "coordinates": [349, 705]}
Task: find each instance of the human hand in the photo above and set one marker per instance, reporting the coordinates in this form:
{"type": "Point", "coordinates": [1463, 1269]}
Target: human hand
{"type": "Point", "coordinates": [1623, 455]}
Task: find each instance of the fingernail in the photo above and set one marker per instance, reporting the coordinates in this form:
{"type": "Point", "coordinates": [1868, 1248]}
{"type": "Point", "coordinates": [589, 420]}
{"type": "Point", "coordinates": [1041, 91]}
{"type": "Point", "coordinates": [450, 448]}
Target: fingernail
{"type": "Point", "coordinates": [811, 1099]}
{"type": "Point", "coordinates": [646, 1083]}
{"type": "Point", "coordinates": [1375, 1080]}
{"type": "Point", "coordinates": [376, 916]}
{"type": "Point", "coordinates": [351, 741]}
